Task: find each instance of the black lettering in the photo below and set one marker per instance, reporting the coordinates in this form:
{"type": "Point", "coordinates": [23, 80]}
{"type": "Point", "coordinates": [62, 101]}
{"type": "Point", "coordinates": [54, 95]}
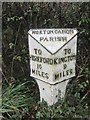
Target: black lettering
{"type": "Point", "coordinates": [43, 74]}
{"type": "Point", "coordinates": [71, 71]}
{"type": "Point", "coordinates": [40, 59]}
{"type": "Point", "coordinates": [44, 60]}
{"type": "Point", "coordinates": [40, 32]}
{"type": "Point", "coordinates": [65, 50]}
{"type": "Point", "coordinates": [63, 73]}
{"type": "Point", "coordinates": [67, 72]}
{"type": "Point", "coordinates": [57, 31]}
{"type": "Point", "coordinates": [60, 75]}
{"type": "Point", "coordinates": [51, 61]}
{"type": "Point", "coordinates": [64, 66]}
{"type": "Point", "coordinates": [47, 60]}
{"type": "Point", "coordinates": [64, 59]}
{"type": "Point", "coordinates": [39, 52]}
{"type": "Point", "coordinates": [35, 51]}
{"type": "Point", "coordinates": [33, 58]}
{"type": "Point", "coordinates": [69, 51]}
{"type": "Point", "coordinates": [33, 71]}
{"type": "Point", "coordinates": [55, 61]}
{"type": "Point", "coordinates": [39, 66]}
{"type": "Point", "coordinates": [64, 39]}
{"type": "Point", "coordinates": [45, 39]}
{"type": "Point", "coordinates": [34, 32]}
{"type": "Point", "coordinates": [44, 31]}
{"type": "Point", "coordinates": [40, 74]}
{"type": "Point", "coordinates": [47, 75]}
{"type": "Point", "coordinates": [51, 39]}
{"type": "Point", "coordinates": [56, 76]}
{"type": "Point", "coordinates": [41, 38]}
{"type": "Point", "coordinates": [68, 58]}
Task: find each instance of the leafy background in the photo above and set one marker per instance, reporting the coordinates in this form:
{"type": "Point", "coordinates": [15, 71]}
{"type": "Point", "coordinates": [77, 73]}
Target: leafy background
{"type": "Point", "coordinates": [20, 91]}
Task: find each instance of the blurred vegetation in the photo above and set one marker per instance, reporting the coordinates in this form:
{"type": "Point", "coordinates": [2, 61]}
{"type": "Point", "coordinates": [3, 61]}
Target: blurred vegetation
{"type": "Point", "coordinates": [20, 91]}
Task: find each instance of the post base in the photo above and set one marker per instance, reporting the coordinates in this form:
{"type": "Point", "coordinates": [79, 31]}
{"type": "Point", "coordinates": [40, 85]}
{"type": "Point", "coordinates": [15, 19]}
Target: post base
{"type": "Point", "coordinates": [51, 93]}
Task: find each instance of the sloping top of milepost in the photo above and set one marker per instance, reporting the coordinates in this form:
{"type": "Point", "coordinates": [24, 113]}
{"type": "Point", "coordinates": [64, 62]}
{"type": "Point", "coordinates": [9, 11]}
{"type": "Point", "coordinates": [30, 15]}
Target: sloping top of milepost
{"type": "Point", "coordinates": [53, 39]}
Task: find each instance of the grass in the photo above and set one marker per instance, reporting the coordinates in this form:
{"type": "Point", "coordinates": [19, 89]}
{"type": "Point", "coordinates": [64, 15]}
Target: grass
{"type": "Point", "coordinates": [16, 101]}
{"type": "Point", "coordinates": [21, 102]}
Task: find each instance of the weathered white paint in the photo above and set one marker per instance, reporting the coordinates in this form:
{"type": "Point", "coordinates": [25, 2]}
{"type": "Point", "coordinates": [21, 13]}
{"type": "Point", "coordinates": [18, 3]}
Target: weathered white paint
{"type": "Point", "coordinates": [52, 60]}
{"type": "Point", "coordinates": [51, 93]}
{"type": "Point", "coordinates": [47, 52]}
{"type": "Point", "coordinates": [51, 39]}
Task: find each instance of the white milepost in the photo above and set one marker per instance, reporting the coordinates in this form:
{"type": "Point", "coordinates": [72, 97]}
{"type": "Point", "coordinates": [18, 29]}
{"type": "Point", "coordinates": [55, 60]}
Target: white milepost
{"type": "Point", "coordinates": [52, 60]}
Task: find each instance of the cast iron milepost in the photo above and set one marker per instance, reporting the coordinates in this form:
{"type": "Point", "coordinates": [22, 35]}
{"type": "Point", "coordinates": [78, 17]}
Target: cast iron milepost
{"type": "Point", "coordinates": [52, 60]}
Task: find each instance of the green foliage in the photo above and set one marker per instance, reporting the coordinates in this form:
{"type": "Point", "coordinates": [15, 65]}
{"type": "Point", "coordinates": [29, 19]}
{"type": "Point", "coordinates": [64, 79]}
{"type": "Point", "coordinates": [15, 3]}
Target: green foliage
{"type": "Point", "coordinates": [63, 109]}
{"type": "Point", "coordinates": [15, 101]}
{"type": "Point", "coordinates": [18, 103]}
